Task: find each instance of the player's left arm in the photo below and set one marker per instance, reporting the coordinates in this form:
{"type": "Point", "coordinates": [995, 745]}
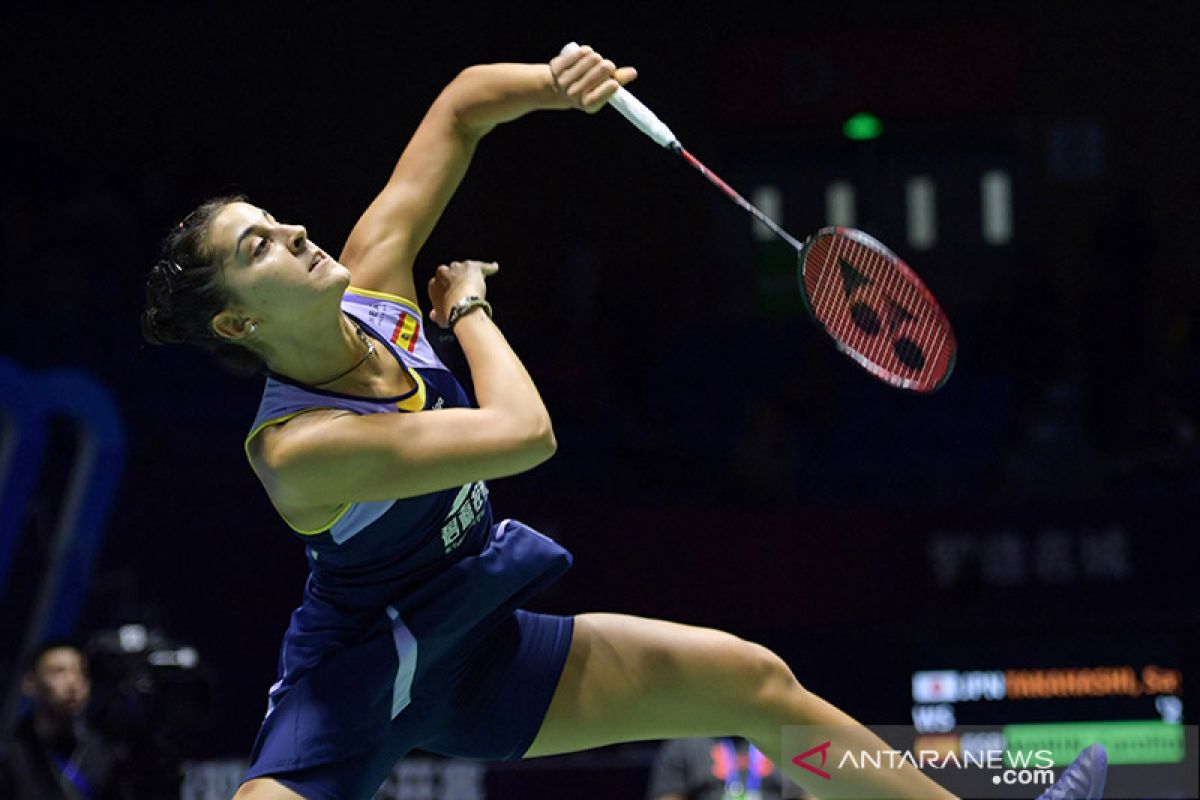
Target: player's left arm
{"type": "Point", "coordinates": [384, 243]}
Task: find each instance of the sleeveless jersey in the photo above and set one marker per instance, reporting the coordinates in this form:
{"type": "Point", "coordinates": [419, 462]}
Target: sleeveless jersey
{"type": "Point", "coordinates": [359, 557]}
{"type": "Point", "coordinates": [394, 585]}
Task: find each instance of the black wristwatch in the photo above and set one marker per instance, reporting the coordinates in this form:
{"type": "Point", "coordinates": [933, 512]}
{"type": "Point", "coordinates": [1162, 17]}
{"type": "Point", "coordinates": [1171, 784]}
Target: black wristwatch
{"type": "Point", "coordinates": [466, 306]}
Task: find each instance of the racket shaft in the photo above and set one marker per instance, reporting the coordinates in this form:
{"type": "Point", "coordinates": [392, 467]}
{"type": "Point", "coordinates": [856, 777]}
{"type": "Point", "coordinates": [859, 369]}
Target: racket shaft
{"type": "Point", "coordinates": [729, 191]}
{"type": "Point", "coordinates": [899, 358]}
{"type": "Point", "coordinates": [645, 120]}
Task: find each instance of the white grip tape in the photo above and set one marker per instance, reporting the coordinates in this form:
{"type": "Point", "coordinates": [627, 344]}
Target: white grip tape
{"type": "Point", "coordinates": [635, 111]}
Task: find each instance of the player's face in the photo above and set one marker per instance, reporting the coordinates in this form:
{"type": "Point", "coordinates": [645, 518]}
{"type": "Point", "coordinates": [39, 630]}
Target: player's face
{"type": "Point", "coordinates": [272, 270]}
{"type": "Point", "coordinates": [60, 684]}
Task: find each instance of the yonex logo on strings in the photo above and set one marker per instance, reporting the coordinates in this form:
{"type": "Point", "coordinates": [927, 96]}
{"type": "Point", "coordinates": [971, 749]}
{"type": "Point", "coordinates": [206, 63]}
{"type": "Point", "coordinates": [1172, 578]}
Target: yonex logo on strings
{"type": "Point", "coordinates": [866, 318]}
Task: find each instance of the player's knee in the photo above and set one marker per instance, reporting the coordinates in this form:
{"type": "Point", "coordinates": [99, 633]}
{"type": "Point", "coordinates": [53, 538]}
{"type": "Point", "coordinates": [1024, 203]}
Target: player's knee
{"type": "Point", "coordinates": [717, 668]}
{"type": "Point", "coordinates": [758, 674]}
{"type": "Point", "coordinates": [773, 678]}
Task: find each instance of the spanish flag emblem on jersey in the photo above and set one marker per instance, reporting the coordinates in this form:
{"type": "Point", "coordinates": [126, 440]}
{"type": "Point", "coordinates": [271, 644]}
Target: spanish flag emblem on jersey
{"type": "Point", "coordinates": [405, 333]}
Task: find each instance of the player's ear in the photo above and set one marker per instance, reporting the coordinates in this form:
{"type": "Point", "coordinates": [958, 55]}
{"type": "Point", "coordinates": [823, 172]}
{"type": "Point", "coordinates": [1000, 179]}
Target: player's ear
{"type": "Point", "coordinates": [234, 327]}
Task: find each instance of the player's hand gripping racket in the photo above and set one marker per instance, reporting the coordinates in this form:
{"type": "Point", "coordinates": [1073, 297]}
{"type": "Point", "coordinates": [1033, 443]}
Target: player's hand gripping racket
{"type": "Point", "coordinates": [871, 303]}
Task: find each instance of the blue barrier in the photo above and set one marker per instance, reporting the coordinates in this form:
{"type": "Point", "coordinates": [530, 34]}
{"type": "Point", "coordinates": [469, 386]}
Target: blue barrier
{"type": "Point", "coordinates": [29, 401]}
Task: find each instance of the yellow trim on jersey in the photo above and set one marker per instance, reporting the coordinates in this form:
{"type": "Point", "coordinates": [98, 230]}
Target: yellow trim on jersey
{"type": "Point", "coordinates": [395, 298]}
{"type": "Point", "coordinates": [416, 400]}
{"type": "Point", "coordinates": [246, 447]}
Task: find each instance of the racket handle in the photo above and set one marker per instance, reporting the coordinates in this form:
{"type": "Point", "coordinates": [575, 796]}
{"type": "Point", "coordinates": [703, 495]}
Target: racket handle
{"type": "Point", "coordinates": [635, 111]}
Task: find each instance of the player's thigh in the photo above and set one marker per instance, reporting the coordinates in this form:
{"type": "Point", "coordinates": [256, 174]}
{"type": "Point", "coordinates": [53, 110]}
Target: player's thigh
{"type": "Point", "coordinates": [630, 678]}
{"type": "Point", "coordinates": [265, 789]}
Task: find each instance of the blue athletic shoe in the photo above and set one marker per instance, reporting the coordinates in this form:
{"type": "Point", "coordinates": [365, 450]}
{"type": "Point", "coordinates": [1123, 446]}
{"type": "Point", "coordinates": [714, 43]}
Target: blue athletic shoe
{"type": "Point", "coordinates": [1084, 779]}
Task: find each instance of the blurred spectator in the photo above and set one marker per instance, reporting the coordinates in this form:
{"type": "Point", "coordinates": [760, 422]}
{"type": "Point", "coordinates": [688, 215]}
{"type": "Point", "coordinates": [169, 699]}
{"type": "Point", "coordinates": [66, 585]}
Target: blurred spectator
{"type": "Point", "coordinates": [715, 769]}
{"type": "Point", "coordinates": [52, 754]}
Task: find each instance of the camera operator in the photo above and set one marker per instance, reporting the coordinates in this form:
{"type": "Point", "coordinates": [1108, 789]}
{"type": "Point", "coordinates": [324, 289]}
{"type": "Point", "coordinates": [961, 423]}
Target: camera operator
{"type": "Point", "coordinates": [52, 754]}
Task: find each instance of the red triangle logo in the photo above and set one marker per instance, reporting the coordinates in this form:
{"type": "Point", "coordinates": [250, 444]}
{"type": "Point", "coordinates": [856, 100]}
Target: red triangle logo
{"type": "Point", "coordinates": [823, 749]}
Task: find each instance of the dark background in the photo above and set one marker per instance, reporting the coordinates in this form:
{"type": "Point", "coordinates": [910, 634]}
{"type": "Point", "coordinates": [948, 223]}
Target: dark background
{"type": "Point", "coordinates": [718, 462]}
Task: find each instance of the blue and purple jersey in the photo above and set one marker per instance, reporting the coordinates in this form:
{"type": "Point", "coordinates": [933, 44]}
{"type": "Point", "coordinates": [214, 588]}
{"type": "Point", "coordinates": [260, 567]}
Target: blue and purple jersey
{"type": "Point", "coordinates": [367, 551]}
{"type": "Point", "coordinates": [395, 587]}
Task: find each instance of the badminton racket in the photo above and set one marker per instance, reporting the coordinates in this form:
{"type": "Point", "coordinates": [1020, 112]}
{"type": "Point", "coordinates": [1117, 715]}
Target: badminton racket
{"type": "Point", "coordinates": [871, 304]}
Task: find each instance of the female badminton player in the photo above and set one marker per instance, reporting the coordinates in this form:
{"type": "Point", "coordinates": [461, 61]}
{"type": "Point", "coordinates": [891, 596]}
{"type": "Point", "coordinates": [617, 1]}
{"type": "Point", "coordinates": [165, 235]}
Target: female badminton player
{"type": "Point", "coordinates": [411, 633]}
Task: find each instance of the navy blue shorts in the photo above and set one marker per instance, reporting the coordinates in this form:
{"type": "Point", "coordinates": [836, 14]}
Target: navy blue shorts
{"type": "Point", "coordinates": [486, 703]}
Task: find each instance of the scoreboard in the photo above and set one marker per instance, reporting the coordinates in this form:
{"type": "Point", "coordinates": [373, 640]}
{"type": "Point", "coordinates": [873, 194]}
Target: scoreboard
{"type": "Point", "coordinates": [1061, 693]}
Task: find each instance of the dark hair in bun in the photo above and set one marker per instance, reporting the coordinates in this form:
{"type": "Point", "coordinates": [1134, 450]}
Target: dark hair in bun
{"type": "Point", "coordinates": [184, 291]}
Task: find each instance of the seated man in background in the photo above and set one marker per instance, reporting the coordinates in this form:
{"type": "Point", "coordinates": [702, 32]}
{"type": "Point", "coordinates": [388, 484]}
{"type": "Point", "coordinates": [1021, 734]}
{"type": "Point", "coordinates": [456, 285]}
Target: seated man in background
{"type": "Point", "coordinates": [715, 769]}
{"type": "Point", "coordinates": [51, 754]}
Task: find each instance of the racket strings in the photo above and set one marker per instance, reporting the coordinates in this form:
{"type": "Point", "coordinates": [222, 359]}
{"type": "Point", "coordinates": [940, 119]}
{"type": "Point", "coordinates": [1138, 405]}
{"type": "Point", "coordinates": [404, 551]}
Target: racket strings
{"type": "Point", "coordinates": [873, 345]}
{"type": "Point", "coordinates": [897, 332]}
{"type": "Point", "coordinates": [897, 289]}
{"type": "Point", "coordinates": [929, 329]}
{"type": "Point", "coordinates": [926, 328]}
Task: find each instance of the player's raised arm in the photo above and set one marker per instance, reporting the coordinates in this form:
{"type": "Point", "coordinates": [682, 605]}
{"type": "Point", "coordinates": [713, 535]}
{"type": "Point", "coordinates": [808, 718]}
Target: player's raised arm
{"type": "Point", "coordinates": [385, 241]}
{"type": "Point", "coordinates": [319, 459]}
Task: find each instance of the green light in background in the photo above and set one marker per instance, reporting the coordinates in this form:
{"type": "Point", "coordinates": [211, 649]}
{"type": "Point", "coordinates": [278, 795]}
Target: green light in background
{"type": "Point", "coordinates": [862, 127]}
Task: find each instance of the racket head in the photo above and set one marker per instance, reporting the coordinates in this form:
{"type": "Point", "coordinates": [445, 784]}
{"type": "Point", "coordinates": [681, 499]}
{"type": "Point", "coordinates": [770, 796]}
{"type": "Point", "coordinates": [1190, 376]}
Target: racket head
{"type": "Point", "coordinates": [876, 309]}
